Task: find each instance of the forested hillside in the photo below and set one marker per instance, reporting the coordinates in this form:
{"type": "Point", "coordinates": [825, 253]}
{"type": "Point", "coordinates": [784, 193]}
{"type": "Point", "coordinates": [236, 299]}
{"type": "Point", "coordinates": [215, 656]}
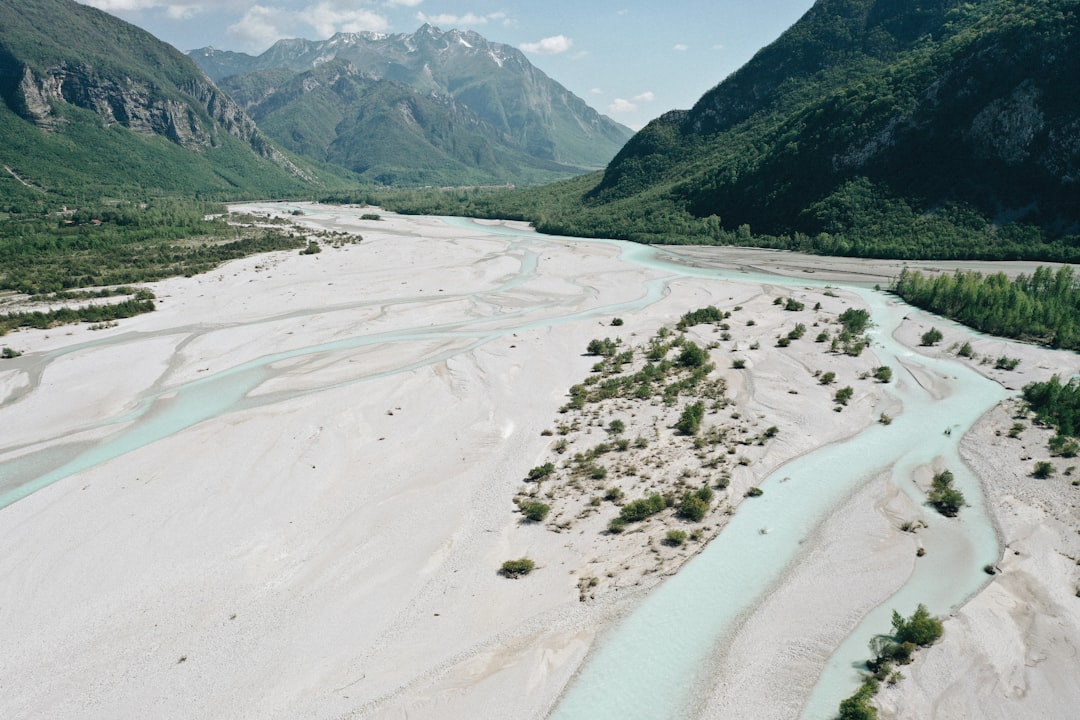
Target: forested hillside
{"type": "Point", "coordinates": [93, 107]}
{"type": "Point", "coordinates": [884, 128]}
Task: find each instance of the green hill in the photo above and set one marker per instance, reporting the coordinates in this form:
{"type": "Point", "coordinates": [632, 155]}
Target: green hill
{"type": "Point", "coordinates": [871, 127]}
{"type": "Point", "coordinates": [91, 106]}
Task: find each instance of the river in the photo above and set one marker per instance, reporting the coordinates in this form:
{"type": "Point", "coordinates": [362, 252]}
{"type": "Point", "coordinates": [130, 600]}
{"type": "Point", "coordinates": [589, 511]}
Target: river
{"type": "Point", "coordinates": [649, 665]}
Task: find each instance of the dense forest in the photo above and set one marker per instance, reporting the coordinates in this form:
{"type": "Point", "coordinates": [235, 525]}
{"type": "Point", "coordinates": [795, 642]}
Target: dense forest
{"type": "Point", "coordinates": [936, 130]}
{"type": "Point", "coordinates": [1043, 307]}
{"type": "Point", "coordinates": [1056, 404]}
{"type": "Point", "coordinates": [89, 247]}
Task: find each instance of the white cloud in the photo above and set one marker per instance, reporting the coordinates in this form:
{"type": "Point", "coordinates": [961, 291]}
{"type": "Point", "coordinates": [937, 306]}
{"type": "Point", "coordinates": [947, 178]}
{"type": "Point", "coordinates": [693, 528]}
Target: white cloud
{"type": "Point", "coordinates": [681, 48]}
{"type": "Point", "coordinates": [622, 105]}
{"type": "Point", "coordinates": [549, 46]}
{"type": "Point", "coordinates": [406, 3]}
{"type": "Point", "coordinates": [173, 8]}
{"type": "Point", "coordinates": [596, 91]}
{"type": "Point", "coordinates": [261, 26]}
{"type": "Point", "coordinates": [450, 20]}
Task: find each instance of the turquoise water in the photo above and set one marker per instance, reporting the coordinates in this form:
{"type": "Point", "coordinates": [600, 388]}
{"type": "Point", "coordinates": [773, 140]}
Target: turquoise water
{"type": "Point", "coordinates": [654, 664]}
{"type": "Point", "coordinates": [650, 665]}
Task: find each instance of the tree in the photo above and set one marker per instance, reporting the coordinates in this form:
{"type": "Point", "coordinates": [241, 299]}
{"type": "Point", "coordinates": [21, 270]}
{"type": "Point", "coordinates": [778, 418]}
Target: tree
{"type": "Point", "coordinates": [943, 496]}
{"type": "Point", "coordinates": [921, 628]}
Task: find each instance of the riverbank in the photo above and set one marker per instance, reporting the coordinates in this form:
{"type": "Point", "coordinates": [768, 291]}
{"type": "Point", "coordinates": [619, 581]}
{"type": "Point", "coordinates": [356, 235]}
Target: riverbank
{"type": "Point", "coordinates": [1010, 651]}
{"type": "Point", "coordinates": [326, 543]}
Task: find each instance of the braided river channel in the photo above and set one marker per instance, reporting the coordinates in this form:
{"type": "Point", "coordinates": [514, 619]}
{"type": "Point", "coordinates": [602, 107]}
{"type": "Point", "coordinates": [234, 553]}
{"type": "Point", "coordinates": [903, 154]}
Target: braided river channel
{"type": "Point", "coordinates": [653, 662]}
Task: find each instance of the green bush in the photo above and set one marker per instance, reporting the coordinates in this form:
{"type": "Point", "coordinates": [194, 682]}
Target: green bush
{"type": "Point", "coordinates": [517, 568]}
{"type": "Point", "coordinates": [690, 420]}
{"type": "Point", "coordinates": [843, 395]}
{"type": "Point", "coordinates": [693, 507]}
{"type": "Point", "coordinates": [638, 510]}
{"type": "Point", "coordinates": [931, 337]}
{"type": "Point", "coordinates": [536, 511]}
{"type": "Point", "coordinates": [943, 496]}
{"type": "Point", "coordinates": [675, 537]}
{"type": "Point", "coordinates": [1043, 469]}
{"type": "Point", "coordinates": [921, 628]}
{"type": "Point", "coordinates": [541, 471]}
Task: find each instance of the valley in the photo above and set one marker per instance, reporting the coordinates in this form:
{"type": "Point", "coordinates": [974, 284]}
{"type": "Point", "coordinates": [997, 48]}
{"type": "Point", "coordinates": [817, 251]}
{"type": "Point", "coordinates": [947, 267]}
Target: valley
{"type": "Point", "coordinates": [256, 455]}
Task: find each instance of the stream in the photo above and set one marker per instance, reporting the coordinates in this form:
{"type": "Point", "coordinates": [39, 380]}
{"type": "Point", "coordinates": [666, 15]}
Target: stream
{"type": "Point", "coordinates": [649, 664]}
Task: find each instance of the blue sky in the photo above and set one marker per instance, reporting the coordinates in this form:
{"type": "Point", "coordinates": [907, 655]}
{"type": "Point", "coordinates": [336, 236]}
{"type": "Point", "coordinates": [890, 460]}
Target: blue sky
{"type": "Point", "coordinates": [631, 60]}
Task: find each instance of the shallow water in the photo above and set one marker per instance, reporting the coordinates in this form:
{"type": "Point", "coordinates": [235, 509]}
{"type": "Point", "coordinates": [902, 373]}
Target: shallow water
{"type": "Point", "coordinates": [649, 665]}
{"type": "Point", "coordinates": [652, 664]}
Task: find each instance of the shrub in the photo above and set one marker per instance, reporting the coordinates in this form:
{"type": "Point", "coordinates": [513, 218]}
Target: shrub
{"type": "Point", "coordinates": [693, 507]}
{"type": "Point", "coordinates": [692, 356]}
{"type": "Point", "coordinates": [536, 511]}
{"type": "Point", "coordinates": [605, 347]}
{"type": "Point", "coordinates": [371, 216]}
{"type": "Point", "coordinates": [827, 377]}
{"type": "Point", "coordinates": [675, 538]}
{"type": "Point", "coordinates": [754, 492]}
{"type": "Point", "coordinates": [616, 426]}
{"type": "Point", "coordinates": [883, 374]}
{"type": "Point", "coordinates": [541, 471]}
{"type": "Point", "coordinates": [311, 249]}
{"type": "Point", "coordinates": [843, 395]}
{"type": "Point", "coordinates": [709, 314]}
{"type": "Point", "coordinates": [638, 510]}
{"type": "Point", "coordinates": [1043, 469]}
{"type": "Point", "coordinates": [822, 337]}
{"type": "Point", "coordinates": [738, 364]}
{"type": "Point", "coordinates": [516, 568]}
{"type": "Point", "coordinates": [931, 337]}
{"type": "Point", "coordinates": [793, 305]}
{"type": "Point", "coordinates": [966, 350]}
{"type": "Point", "coordinates": [797, 332]}
{"type": "Point", "coordinates": [690, 421]}
{"type": "Point", "coordinates": [946, 499]}
{"type": "Point", "coordinates": [616, 322]}
{"type": "Point", "coordinates": [9, 353]}
{"type": "Point", "coordinates": [1006, 363]}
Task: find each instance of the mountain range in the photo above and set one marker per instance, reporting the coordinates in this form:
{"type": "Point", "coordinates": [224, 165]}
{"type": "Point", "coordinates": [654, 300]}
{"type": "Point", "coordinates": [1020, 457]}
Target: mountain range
{"type": "Point", "coordinates": [91, 104]}
{"type": "Point", "coordinates": [431, 107]}
{"type": "Point", "coordinates": [900, 128]}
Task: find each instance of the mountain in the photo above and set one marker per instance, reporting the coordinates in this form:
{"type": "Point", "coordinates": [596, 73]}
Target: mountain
{"type": "Point", "coordinates": [907, 128]}
{"type": "Point", "coordinates": [91, 105]}
{"type": "Point", "coordinates": [450, 105]}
